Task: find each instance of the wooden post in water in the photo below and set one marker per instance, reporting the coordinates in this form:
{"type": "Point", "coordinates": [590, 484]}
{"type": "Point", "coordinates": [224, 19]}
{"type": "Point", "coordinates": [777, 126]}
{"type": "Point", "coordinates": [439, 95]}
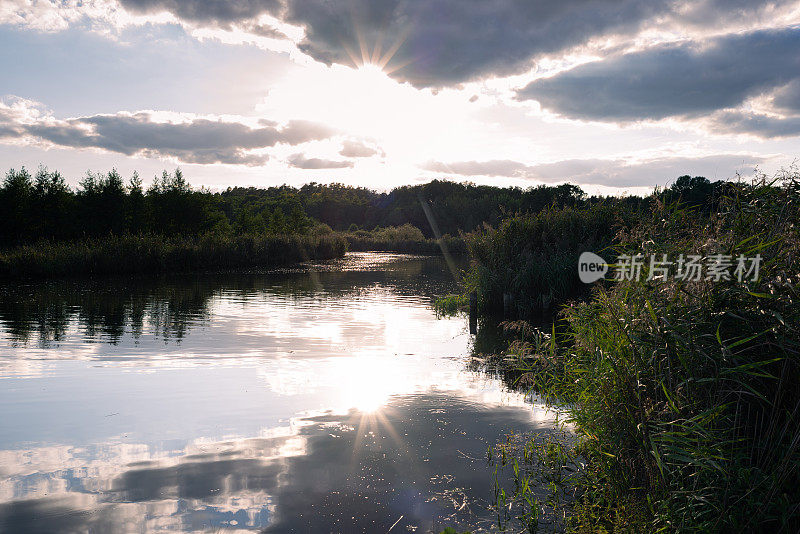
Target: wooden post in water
{"type": "Point", "coordinates": [508, 301]}
{"type": "Point", "coordinates": [473, 312]}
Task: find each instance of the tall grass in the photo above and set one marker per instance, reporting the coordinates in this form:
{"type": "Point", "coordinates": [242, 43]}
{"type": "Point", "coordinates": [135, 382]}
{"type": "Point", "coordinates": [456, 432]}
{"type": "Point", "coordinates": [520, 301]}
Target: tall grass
{"type": "Point", "coordinates": [450, 305]}
{"type": "Point", "coordinates": [406, 239]}
{"type": "Point", "coordinates": [158, 254]}
{"type": "Point", "coordinates": [534, 258]}
{"type": "Point", "coordinates": [685, 394]}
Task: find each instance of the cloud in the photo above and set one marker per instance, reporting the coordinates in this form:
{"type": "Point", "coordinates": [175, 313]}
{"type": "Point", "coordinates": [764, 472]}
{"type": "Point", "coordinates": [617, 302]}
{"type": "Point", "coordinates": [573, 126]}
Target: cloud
{"type": "Point", "coordinates": [752, 123]}
{"type": "Point", "coordinates": [439, 43]}
{"type": "Point", "coordinates": [53, 15]}
{"type": "Point", "coordinates": [222, 13]}
{"type": "Point", "coordinates": [617, 173]}
{"type": "Point", "coordinates": [189, 139]}
{"type": "Point", "coordinates": [301, 131]}
{"type": "Point", "coordinates": [787, 98]}
{"type": "Point", "coordinates": [263, 30]}
{"type": "Point", "coordinates": [356, 149]}
{"type": "Point", "coordinates": [301, 162]}
{"type": "Point", "coordinates": [498, 167]}
{"type": "Point", "coordinates": [433, 43]}
{"type": "Point", "coordinates": [688, 79]}
{"type": "Point", "coordinates": [446, 42]}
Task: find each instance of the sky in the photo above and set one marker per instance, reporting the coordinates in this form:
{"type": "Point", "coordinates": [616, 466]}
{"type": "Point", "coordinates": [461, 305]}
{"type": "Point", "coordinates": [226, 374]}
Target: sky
{"type": "Point", "coordinates": [617, 96]}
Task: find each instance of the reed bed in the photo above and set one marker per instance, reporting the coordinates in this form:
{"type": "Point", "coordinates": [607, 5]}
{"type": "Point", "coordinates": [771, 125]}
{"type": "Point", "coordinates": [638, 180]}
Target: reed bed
{"type": "Point", "coordinates": [684, 393]}
{"type": "Point", "coordinates": [533, 258]}
{"type": "Point", "coordinates": [405, 239]}
{"type": "Point", "coordinates": [158, 254]}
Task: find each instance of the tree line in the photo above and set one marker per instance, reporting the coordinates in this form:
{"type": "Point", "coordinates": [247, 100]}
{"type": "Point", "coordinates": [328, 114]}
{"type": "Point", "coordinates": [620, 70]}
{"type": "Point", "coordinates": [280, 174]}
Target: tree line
{"type": "Point", "coordinates": [41, 206]}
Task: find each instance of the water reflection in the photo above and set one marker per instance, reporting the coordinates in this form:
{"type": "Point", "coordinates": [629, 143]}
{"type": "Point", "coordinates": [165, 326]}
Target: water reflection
{"type": "Point", "coordinates": [422, 458]}
{"type": "Point", "coordinates": [322, 401]}
{"type": "Point", "coordinates": [108, 310]}
{"type": "Point", "coordinates": [99, 311]}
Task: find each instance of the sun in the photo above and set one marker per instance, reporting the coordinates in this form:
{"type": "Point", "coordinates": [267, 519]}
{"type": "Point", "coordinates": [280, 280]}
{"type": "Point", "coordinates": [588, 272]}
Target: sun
{"type": "Point", "coordinates": [367, 389]}
{"type": "Point", "coordinates": [370, 400]}
{"type": "Point", "coordinates": [371, 70]}
{"type": "Point", "coordinates": [363, 54]}
{"type": "Point", "coordinates": [369, 100]}
{"type": "Point", "coordinates": [365, 100]}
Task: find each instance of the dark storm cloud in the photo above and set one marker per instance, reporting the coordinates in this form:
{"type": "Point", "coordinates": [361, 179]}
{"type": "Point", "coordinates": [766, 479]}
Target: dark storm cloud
{"type": "Point", "coordinates": [301, 162]}
{"type": "Point", "coordinates": [201, 141]}
{"type": "Point", "coordinates": [616, 173]}
{"type": "Point", "coordinates": [686, 80]}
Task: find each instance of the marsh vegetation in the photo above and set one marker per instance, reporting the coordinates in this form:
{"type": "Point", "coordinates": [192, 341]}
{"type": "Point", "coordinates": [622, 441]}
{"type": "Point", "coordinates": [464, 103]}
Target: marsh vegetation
{"type": "Point", "coordinates": [683, 393]}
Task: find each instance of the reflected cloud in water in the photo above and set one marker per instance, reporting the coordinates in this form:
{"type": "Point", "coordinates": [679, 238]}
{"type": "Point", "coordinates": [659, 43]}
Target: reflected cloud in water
{"type": "Point", "coordinates": [420, 457]}
{"type": "Point", "coordinates": [280, 402]}
{"type": "Point", "coordinates": [211, 317]}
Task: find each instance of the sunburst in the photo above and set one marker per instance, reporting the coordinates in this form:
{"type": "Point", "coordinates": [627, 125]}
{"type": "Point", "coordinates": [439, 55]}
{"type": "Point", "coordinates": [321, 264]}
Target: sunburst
{"type": "Point", "coordinates": [373, 56]}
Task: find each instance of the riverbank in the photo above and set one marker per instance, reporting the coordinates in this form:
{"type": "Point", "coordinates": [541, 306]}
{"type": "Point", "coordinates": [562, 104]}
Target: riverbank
{"type": "Point", "coordinates": [159, 254]}
{"type": "Point", "coordinates": [154, 254]}
{"type": "Point", "coordinates": [682, 391]}
{"type": "Point", "coordinates": [426, 247]}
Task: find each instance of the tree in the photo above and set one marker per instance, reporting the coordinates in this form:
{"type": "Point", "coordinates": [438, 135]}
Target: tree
{"type": "Point", "coordinates": [135, 206]}
{"type": "Point", "coordinates": [15, 206]}
{"type": "Point", "coordinates": [51, 206]}
{"type": "Point", "coordinates": [695, 191]}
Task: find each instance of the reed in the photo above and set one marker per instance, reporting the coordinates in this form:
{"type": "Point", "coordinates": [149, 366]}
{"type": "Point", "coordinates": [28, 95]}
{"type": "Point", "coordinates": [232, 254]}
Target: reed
{"type": "Point", "coordinates": [450, 305]}
{"type": "Point", "coordinates": [405, 239]}
{"type": "Point", "coordinates": [684, 393]}
{"type": "Point", "coordinates": [157, 254]}
{"type": "Point", "coordinates": [533, 258]}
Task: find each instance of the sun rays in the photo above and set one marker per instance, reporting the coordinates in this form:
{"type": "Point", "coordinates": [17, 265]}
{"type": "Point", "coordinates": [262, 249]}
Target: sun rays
{"type": "Point", "coordinates": [376, 425]}
{"type": "Point", "coordinates": [373, 56]}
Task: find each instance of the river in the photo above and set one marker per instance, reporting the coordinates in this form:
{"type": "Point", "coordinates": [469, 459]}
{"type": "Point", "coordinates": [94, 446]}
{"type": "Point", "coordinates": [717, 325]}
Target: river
{"type": "Point", "coordinates": [326, 398]}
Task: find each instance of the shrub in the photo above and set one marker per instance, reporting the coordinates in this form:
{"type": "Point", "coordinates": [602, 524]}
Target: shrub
{"type": "Point", "coordinates": [534, 258]}
{"type": "Point", "coordinates": [685, 393]}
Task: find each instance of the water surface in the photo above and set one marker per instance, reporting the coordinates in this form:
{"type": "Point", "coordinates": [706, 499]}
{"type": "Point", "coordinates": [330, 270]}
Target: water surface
{"type": "Point", "coordinates": [323, 399]}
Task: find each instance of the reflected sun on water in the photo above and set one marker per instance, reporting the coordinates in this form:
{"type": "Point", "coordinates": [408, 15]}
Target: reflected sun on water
{"type": "Point", "coordinates": [274, 402]}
